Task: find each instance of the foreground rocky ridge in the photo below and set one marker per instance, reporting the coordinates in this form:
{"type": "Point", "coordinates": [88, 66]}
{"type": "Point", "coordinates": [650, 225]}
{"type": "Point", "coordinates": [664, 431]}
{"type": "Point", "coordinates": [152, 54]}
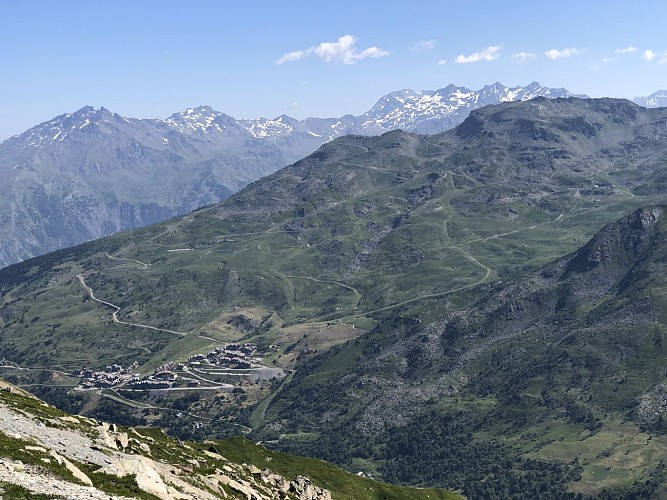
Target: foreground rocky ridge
{"type": "Point", "coordinates": [46, 452]}
{"type": "Point", "coordinates": [63, 440]}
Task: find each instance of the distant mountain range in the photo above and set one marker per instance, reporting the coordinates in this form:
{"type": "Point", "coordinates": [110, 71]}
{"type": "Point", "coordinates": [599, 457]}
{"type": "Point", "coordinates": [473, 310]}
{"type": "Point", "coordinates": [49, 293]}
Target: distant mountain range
{"type": "Point", "coordinates": [655, 100]}
{"type": "Point", "coordinates": [92, 173]}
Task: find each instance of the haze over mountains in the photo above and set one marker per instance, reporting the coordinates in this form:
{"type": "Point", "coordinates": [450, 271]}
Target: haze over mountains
{"type": "Point", "coordinates": [655, 100]}
{"type": "Point", "coordinates": [479, 309]}
{"type": "Point", "coordinates": [92, 173]}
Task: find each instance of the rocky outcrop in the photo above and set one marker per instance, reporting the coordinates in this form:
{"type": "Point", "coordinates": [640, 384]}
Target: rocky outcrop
{"type": "Point", "coordinates": [301, 487]}
{"type": "Point", "coordinates": [73, 469]}
{"type": "Point", "coordinates": [55, 447]}
{"type": "Point", "coordinates": [33, 479]}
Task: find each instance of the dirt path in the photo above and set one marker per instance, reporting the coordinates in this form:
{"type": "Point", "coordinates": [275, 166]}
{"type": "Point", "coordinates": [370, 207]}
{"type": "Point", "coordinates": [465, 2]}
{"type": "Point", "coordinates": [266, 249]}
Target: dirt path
{"type": "Point", "coordinates": [114, 315]}
{"type": "Point", "coordinates": [356, 292]}
{"type": "Point", "coordinates": [142, 264]}
{"type": "Point", "coordinates": [430, 295]}
{"type": "Point", "coordinates": [258, 415]}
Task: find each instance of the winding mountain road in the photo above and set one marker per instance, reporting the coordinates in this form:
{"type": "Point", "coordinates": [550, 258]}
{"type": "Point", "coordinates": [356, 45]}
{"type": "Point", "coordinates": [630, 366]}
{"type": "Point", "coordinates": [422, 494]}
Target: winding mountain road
{"type": "Point", "coordinates": [142, 264]}
{"type": "Point", "coordinates": [114, 315]}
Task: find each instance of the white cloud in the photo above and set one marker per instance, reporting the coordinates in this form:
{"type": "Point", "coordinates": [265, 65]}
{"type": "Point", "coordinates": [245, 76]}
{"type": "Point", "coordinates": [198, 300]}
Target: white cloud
{"type": "Point", "coordinates": [663, 58]}
{"type": "Point", "coordinates": [595, 66]}
{"type": "Point", "coordinates": [424, 45]}
{"type": "Point", "coordinates": [648, 55]}
{"type": "Point", "coordinates": [560, 54]}
{"type": "Point", "coordinates": [488, 54]}
{"type": "Point", "coordinates": [291, 56]}
{"type": "Point", "coordinates": [442, 61]}
{"type": "Point", "coordinates": [522, 57]}
{"type": "Point", "coordinates": [292, 105]}
{"type": "Point", "coordinates": [343, 50]}
{"type": "Point", "coordinates": [627, 50]}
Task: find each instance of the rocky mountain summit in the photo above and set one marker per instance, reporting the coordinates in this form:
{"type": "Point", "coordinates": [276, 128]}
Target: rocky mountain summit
{"type": "Point", "coordinates": [92, 173]}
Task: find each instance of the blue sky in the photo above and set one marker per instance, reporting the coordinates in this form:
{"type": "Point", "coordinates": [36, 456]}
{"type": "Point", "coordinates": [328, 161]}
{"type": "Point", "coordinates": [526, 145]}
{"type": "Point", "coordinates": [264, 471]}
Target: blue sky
{"type": "Point", "coordinates": [145, 58]}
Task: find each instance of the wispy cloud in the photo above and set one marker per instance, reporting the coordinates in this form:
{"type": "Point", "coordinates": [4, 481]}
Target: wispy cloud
{"type": "Point", "coordinates": [648, 55]}
{"type": "Point", "coordinates": [595, 66]}
{"type": "Point", "coordinates": [627, 50]}
{"type": "Point", "coordinates": [522, 57]}
{"type": "Point", "coordinates": [663, 58]}
{"type": "Point", "coordinates": [442, 61]}
{"type": "Point", "coordinates": [488, 54]}
{"type": "Point", "coordinates": [343, 50]}
{"type": "Point", "coordinates": [561, 54]}
{"type": "Point", "coordinates": [424, 45]}
{"type": "Point", "coordinates": [291, 56]}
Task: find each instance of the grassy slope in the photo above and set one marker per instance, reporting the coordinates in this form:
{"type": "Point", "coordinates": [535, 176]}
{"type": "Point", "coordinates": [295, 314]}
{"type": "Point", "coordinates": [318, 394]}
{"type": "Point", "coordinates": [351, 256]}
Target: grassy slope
{"type": "Point", "coordinates": [342, 484]}
{"type": "Point", "coordinates": [338, 243]}
{"type": "Point", "coordinates": [369, 244]}
{"type": "Point", "coordinates": [569, 369]}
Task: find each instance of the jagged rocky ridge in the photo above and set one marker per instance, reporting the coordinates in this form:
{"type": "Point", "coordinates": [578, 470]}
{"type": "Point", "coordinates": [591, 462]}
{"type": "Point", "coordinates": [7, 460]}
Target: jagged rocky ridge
{"type": "Point", "coordinates": [61, 441]}
{"type": "Point", "coordinates": [47, 452]}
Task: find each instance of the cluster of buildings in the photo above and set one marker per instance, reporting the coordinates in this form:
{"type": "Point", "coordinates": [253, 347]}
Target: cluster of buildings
{"type": "Point", "coordinates": [7, 363]}
{"type": "Point", "coordinates": [112, 376]}
{"type": "Point", "coordinates": [115, 375]}
{"type": "Point", "coordinates": [159, 380]}
{"type": "Point", "coordinates": [235, 356]}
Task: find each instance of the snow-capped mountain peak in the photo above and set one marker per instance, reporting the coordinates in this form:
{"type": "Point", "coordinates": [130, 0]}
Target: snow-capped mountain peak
{"type": "Point", "coordinates": [264, 128]}
{"type": "Point", "coordinates": [195, 120]}
{"type": "Point", "coordinates": [496, 88]}
{"type": "Point", "coordinates": [425, 111]}
{"type": "Point", "coordinates": [655, 100]}
{"type": "Point", "coordinates": [61, 127]}
{"type": "Point", "coordinates": [58, 158]}
{"type": "Point", "coordinates": [435, 111]}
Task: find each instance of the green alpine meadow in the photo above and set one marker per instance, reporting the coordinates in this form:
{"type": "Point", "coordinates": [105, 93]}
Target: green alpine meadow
{"type": "Point", "coordinates": [482, 311]}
